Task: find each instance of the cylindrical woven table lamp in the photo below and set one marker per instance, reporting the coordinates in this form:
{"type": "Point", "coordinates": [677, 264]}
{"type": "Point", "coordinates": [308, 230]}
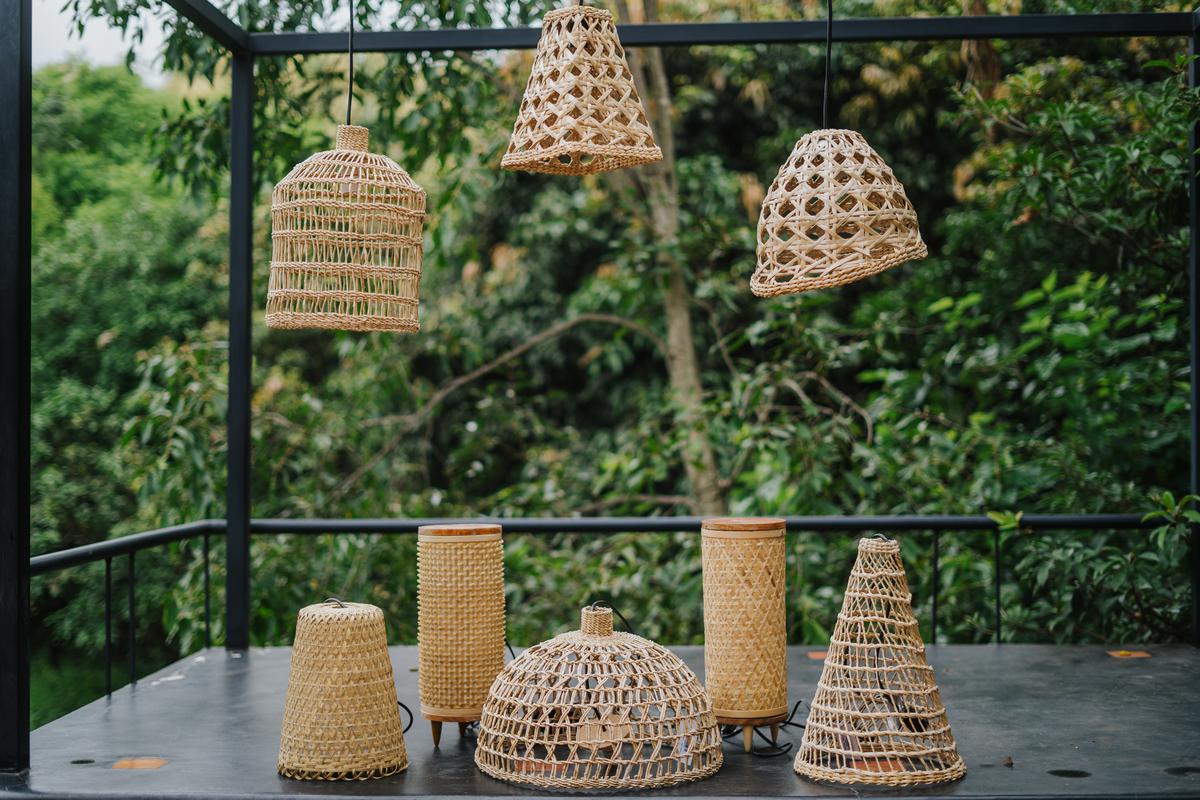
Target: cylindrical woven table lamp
{"type": "Point", "coordinates": [593, 709]}
{"type": "Point", "coordinates": [877, 718]}
{"type": "Point", "coordinates": [341, 720]}
{"type": "Point", "coordinates": [460, 620]}
{"type": "Point", "coordinates": [745, 621]}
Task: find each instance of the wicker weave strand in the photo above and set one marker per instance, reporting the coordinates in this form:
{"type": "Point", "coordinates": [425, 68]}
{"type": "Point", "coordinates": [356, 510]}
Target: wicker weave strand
{"type": "Point", "coordinates": [346, 228]}
{"type": "Point", "coordinates": [834, 214]}
{"type": "Point", "coordinates": [581, 113]}
{"type": "Point", "coordinates": [593, 709]}
{"type": "Point", "coordinates": [877, 717]}
{"type": "Point", "coordinates": [340, 719]}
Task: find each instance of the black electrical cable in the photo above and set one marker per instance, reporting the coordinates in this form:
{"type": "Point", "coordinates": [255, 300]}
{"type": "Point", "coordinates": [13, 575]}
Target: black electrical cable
{"type": "Point", "coordinates": [510, 650]}
{"type": "Point", "coordinates": [350, 69]}
{"type": "Point", "coordinates": [828, 59]}
{"type": "Point", "coordinates": [611, 607]}
{"type": "Point", "coordinates": [408, 711]}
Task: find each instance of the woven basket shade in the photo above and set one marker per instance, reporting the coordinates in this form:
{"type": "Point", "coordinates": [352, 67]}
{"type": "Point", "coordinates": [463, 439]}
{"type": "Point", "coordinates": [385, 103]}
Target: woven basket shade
{"type": "Point", "coordinates": [834, 214]}
{"type": "Point", "coordinates": [340, 719]}
{"type": "Point", "coordinates": [581, 112]}
{"type": "Point", "coordinates": [745, 620]}
{"type": "Point", "coordinates": [877, 718]}
{"type": "Point", "coordinates": [346, 229]}
{"type": "Point", "coordinates": [593, 709]}
{"type": "Point", "coordinates": [460, 619]}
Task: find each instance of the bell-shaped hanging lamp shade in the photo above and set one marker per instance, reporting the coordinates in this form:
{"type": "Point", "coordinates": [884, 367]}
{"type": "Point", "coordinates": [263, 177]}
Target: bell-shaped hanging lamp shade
{"type": "Point", "coordinates": [835, 213]}
{"type": "Point", "coordinates": [877, 717]}
{"type": "Point", "coordinates": [593, 709]}
{"type": "Point", "coordinates": [346, 228]}
{"type": "Point", "coordinates": [581, 113]}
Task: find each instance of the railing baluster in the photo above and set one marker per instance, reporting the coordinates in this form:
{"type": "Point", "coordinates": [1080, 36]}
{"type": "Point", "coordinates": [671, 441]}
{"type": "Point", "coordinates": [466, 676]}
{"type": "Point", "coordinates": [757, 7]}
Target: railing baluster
{"type": "Point", "coordinates": [108, 625]}
{"type": "Point", "coordinates": [937, 582]}
{"type": "Point", "coordinates": [207, 606]}
{"type": "Point", "coordinates": [132, 624]}
{"type": "Point", "coordinates": [996, 579]}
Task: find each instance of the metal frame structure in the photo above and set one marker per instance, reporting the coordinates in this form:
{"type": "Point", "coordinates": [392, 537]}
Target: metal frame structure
{"type": "Point", "coordinates": [243, 47]}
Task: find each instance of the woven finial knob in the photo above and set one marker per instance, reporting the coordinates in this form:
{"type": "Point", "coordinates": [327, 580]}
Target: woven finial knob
{"type": "Point", "coordinates": [352, 137]}
{"type": "Point", "coordinates": [596, 621]}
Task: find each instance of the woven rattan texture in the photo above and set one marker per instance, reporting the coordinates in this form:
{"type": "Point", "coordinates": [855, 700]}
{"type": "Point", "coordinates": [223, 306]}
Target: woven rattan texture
{"type": "Point", "coordinates": [460, 622]}
{"type": "Point", "coordinates": [877, 717]}
{"type": "Point", "coordinates": [346, 228]}
{"type": "Point", "coordinates": [340, 719]}
{"type": "Point", "coordinates": [745, 624]}
{"type": "Point", "coordinates": [834, 214]}
{"type": "Point", "coordinates": [598, 710]}
{"type": "Point", "coordinates": [581, 112]}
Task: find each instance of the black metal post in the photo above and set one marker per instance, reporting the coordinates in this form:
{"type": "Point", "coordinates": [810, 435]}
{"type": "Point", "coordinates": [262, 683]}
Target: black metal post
{"type": "Point", "coordinates": [132, 600]}
{"type": "Point", "coordinates": [108, 626]}
{"type": "Point", "coordinates": [15, 99]}
{"type": "Point", "coordinates": [237, 493]}
{"type": "Point", "coordinates": [1194, 314]}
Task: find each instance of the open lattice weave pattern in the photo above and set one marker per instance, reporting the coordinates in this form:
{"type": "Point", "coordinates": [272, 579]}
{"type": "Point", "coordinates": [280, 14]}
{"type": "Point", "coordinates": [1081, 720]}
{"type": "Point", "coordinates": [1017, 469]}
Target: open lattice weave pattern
{"type": "Point", "coordinates": [346, 229]}
{"type": "Point", "coordinates": [834, 214]}
{"type": "Point", "coordinates": [340, 719]}
{"type": "Point", "coordinates": [460, 617]}
{"type": "Point", "coordinates": [745, 618]}
{"type": "Point", "coordinates": [594, 709]}
{"type": "Point", "coordinates": [581, 112]}
{"type": "Point", "coordinates": [877, 717]}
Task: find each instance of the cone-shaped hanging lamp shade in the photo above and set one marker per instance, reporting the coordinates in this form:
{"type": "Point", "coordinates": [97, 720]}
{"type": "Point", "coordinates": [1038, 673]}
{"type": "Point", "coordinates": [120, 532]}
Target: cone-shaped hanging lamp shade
{"type": "Point", "coordinates": [593, 709]}
{"type": "Point", "coordinates": [877, 717]}
{"type": "Point", "coordinates": [834, 214]}
{"type": "Point", "coordinates": [346, 229]}
{"type": "Point", "coordinates": [581, 112]}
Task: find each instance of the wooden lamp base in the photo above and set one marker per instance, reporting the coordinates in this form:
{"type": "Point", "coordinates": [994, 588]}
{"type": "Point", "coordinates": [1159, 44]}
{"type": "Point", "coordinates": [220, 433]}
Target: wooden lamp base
{"type": "Point", "coordinates": [435, 724]}
{"type": "Point", "coordinates": [749, 724]}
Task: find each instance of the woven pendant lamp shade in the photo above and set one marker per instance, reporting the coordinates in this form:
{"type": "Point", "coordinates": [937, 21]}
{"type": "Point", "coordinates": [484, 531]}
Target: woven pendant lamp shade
{"type": "Point", "coordinates": [745, 621]}
{"type": "Point", "coordinates": [346, 229]}
{"type": "Point", "coordinates": [460, 619]}
{"type": "Point", "coordinates": [593, 709]}
{"type": "Point", "coordinates": [834, 214]}
{"type": "Point", "coordinates": [340, 719]}
{"type": "Point", "coordinates": [877, 718]}
{"type": "Point", "coordinates": [581, 113]}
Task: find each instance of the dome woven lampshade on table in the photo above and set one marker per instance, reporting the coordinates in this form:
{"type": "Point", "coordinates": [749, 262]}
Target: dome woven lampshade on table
{"type": "Point", "coordinates": [593, 709]}
{"type": "Point", "coordinates": [581, 113]}
{"type": "Point", "coordinates": [745, 621]}
{"type": "Point", "coordinates": [460, 620]}
{"type": "Point", "coordinates": [340, 719]}
{"type": "Point", "coordinates": [877, 717]}
{"type": "Point", "coordinates": [346, 239]}
{"type": "Point", "coordinates": [835, 213]}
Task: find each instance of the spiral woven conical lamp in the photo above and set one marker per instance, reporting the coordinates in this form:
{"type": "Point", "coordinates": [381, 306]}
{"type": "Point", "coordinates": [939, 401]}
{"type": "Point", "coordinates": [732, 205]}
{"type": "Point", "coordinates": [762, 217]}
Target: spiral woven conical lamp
{"type": "Point", "coordinates": [593, 709]}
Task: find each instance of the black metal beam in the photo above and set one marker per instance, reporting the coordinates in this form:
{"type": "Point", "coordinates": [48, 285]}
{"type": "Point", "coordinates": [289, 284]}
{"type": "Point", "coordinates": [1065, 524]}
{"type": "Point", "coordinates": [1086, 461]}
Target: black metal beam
{"type": "Point", "coordinates": [883, 29]}
{"type": "Point", "coordinates": [210, 21]}
{"type": "Point", "coordinates": [237, 491]}
{"type": "Point", "coordinates": [123, 546]}
{"type": "Point", "coordinates": [15, 155]}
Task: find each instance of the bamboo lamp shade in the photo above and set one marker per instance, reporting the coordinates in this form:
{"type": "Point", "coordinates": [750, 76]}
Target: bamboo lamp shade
{"type": "Point", "coordinates": [745, 619]}
{"type": "Point", "coordinates": [834, 214]}
{"type": "Point", "coordinates": [596, 710]}
{"type": "Point", "coordinates": [460, 619]}
{"type": "Point", "coordinates": [346, 239]}
{"type": "Point", "coordinates": [877, 718]}
{"type": "Point", "coordinates": [581, 113]}
{"type": "Point", "coordinates": [340, 719]}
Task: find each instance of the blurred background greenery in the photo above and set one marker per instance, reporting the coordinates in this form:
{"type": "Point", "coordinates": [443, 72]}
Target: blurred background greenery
{"type": "Point", "coordinates": [1036, 361]}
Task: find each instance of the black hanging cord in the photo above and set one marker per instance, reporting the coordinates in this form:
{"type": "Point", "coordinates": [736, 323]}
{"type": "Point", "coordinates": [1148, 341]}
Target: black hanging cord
{"type": "Point", "coordinates": [611, 607]}
{"type": "Point", "coordinates": [828, 59]}
{"type": "Point", "coordinates": [408, 711]}
{"type": "Point", "coordinates": [335, 599]}
{"type": "Point", "coordinates": [510, 650]}
{"type": "Point", "coordinates": [350, 69]}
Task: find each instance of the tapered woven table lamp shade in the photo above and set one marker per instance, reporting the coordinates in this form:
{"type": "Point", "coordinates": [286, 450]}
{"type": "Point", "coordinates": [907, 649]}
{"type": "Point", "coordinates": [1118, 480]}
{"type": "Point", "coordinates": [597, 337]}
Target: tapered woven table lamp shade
{"type": "Point", "coordinates": [593, 709]}
{"type": "Point", "coordinates": [340, 719]}
{"type": "Point", "coordinates": [581, 112]}
{"type": "Point", "coordinates": [835, 213]}
{"type": "Point", "coordinates": [877, 717]}
{"type": "Point", "coordinates": [745, 621]}
{"type": "Point", "coordinates": [346, 228]}
{"type": "Point", "coordinates": [460, 619]}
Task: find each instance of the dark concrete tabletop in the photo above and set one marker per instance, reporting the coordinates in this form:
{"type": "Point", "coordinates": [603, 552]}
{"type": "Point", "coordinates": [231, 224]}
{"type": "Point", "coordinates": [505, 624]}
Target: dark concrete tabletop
{"type": "Point", "coordinates": [1074, 721]}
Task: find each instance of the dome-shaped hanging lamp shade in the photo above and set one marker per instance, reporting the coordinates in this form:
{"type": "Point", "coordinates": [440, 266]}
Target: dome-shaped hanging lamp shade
{"type": "Point", "coordinates": [594, 709]}
{"type": "Point", "coordinates": [581, 113]}
{"type": "Point", "coordinates": [346, 229]}
{"type": "Point", "coordinates": [834, 214]}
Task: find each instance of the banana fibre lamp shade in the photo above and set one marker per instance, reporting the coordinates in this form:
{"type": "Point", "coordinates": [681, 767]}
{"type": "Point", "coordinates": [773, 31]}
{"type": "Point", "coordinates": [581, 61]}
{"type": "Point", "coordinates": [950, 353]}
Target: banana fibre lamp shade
{"type": "Point", "coordinates": [595, 709]}
{"type": "Point", "coordinates": [460, 619]}
{"type": "Point", "coordinates": [877, 718]}
{"type": "Point", "coordinates": [341, 720]}
{"type": "Point", "coordinates": [346, 242]}
{"type": "Point", "coordinates": [834, 214]}
{"type": "Point", "coordinates": [745, 620]}
{"type": "Point", "coordinates": [581, 113]}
